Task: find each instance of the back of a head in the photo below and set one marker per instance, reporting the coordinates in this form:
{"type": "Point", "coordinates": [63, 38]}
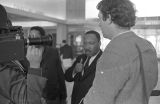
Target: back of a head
{"type": "Point", "coordinates": [122, 12]}
{"type": "Point", "coordinates": [64, 41]}
{"type": "Point", "coordinates": [3, 17]}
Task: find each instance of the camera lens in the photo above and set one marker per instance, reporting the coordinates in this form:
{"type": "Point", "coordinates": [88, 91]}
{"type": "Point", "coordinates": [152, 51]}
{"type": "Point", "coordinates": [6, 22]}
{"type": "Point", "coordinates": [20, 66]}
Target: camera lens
{"type": "Point", "coordinates": [45, 40]}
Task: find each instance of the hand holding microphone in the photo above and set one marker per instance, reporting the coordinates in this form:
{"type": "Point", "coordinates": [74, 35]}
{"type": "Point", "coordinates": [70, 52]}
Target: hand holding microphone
{"type": "Point", "coordinates": [79, 67]}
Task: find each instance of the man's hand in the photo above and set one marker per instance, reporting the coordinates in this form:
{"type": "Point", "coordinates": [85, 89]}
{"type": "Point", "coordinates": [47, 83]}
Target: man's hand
{"type": "Point", "coordinates": [79, 67]}
{"type": "Point", "coordinates": [34, 56]}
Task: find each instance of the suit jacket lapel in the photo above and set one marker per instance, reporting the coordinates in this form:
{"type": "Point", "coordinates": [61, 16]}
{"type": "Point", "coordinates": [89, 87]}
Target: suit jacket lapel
{"type": "Point", "coordinates": [91, 67]}
{"type": "Point", "coordinates": [78, 76]}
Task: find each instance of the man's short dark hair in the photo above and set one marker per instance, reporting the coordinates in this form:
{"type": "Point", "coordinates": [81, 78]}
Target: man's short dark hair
{"type": "Point", "coordinates": [40, 29]}
{"type": "Point", "coordinates": [95, 33]}
{"type": "Point", "coordinates": [64, 41]}
{"type": "Point", "coordinates": [122, 12]}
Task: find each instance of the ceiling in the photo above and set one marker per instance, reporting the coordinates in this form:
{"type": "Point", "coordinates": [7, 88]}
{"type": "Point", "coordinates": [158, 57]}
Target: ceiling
{"type": "Point", "coordinates": [16, 17]}
{"type": "Point", "coordinates": [50, 8]}
{"type": "Point", "coordinates": [39, 10]}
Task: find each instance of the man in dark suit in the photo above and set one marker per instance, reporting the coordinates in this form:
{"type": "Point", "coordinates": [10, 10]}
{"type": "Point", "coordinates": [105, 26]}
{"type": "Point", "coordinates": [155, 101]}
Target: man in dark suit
{"type": "Point", "coordinates": [82, 72]}
{"type": "Point", "coordinates": [66, 55]}
{"type": "Point", "coordinates": [66, 50]}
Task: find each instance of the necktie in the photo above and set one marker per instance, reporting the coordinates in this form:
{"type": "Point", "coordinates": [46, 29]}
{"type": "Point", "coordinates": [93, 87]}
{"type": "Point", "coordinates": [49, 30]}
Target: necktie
{"type": "Point", "coordinates": [86, 64]}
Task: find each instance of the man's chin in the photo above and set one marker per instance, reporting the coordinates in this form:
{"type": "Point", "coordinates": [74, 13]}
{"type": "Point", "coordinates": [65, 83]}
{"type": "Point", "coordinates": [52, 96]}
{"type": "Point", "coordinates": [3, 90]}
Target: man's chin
{"type": "Point", "coordinates": [89, 54]}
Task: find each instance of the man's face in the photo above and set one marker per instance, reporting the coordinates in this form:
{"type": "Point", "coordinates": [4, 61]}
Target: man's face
{"type": "Point", "coordinates": [105, 26]}
{"type": "Point", "coordinates": [34, 34]}
{"type": "Point", "coordinates": [91, 44]}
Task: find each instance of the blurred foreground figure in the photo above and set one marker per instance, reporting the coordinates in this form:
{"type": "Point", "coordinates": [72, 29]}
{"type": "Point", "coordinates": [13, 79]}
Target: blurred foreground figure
{"type": "Point", "coordinates": [127, 71]}
{"type": "Point", "coordinates": [21, 80]}
{"type": "Point", "coordinates": [12, 73]}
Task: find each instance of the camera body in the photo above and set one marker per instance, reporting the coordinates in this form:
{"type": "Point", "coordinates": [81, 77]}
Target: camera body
{"type": "Point", "coordinates": [13, 44]}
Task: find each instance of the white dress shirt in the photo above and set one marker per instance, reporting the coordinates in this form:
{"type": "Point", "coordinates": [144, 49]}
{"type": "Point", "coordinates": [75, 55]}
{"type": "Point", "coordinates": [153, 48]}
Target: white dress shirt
{"type": "Point", "coordinates": [90, 61]}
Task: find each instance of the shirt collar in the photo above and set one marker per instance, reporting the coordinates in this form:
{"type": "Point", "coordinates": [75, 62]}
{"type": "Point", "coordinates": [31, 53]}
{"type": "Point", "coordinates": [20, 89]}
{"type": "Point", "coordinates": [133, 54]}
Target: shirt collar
{"type": "Point", "coordinates": [95, 54]}
{"type": "Point", "coordinates": [121, 33]}
{"type": "Point", "coordinates": [93, 57]}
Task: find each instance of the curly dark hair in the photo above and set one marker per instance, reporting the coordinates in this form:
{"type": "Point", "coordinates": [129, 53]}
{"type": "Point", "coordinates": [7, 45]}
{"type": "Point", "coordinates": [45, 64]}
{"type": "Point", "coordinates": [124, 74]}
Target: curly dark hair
{"type": "Point", "coordinates": [40, 29]}
{"type": "Point", "coordinates": [122, 12]}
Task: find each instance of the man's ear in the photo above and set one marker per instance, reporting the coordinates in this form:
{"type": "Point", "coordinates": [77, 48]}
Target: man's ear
{"type": "Point", "coordinates": [103, 18]}
{"type": "Point", "coordinates": [109, 18]}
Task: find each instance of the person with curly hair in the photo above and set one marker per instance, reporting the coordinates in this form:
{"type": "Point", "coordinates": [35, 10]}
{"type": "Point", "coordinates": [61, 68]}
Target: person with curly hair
{"type": "Point", "coordinates": [45, 63]}
{"type": "Point", "coordinates": [127, 71]}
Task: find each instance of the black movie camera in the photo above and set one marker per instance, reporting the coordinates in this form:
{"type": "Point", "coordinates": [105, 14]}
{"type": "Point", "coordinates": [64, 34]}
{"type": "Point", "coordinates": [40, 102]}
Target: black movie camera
{"type": "Point", "coordinates": [13, 44]}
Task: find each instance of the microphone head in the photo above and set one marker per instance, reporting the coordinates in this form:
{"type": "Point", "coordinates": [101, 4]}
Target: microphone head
{"type": "Point", "coordinates": [3, 17]}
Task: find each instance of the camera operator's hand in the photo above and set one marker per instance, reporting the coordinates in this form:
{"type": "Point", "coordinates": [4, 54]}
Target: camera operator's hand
{"type": "Point", "coordinates": [34, 56]}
